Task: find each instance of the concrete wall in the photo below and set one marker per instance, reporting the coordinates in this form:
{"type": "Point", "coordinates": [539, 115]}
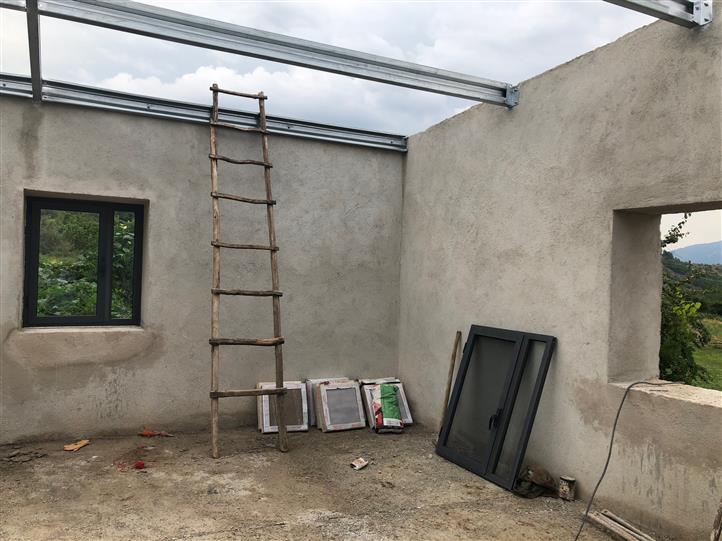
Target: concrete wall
{"type": "Point", "coordinates": [516, 219]}
{"type": "Point", "coordinates": [338, 225]}
{"type": "Point", "coordinates": [543, 218]}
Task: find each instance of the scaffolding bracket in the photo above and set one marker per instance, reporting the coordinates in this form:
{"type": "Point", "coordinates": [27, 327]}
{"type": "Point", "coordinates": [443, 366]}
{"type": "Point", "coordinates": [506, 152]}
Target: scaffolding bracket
{"type": "Point", "coordinates": [689, 13]}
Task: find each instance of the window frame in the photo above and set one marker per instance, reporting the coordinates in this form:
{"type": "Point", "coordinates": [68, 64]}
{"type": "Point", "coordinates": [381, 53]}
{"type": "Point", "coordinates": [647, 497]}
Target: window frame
{"type": "Point", "coordinates": [484, 464]}
{"type": "Point", "coordinates": [106, 214]}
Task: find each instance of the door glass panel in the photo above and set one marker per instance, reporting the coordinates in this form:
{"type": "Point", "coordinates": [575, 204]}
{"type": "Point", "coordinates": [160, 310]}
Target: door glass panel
{"type": "Point", "coordinates": [68, 263]}
{"type": "Point", "coordinates": [121, 304]}
{"type": "Point", "coordinates": [481, 392]}
{"type": "Point", "coordinates": [512, 440]}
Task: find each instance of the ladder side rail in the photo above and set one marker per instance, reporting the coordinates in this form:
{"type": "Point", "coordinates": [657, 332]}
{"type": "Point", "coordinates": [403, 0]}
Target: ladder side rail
{"type": "Point", "coordinates": [279, 398]}
{"type": "Point", "coordinates": [215, 281]}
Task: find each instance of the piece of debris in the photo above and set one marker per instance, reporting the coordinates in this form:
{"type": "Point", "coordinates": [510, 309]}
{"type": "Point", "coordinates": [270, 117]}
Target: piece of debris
{"type": "Point", "coordinates": [567, 488]}
{"type": "Point", "coordinates": [716, 534]}
{"type": "Point", "coordinates": [535, 481]}
{"type": "Point", "coordinates": [148, 433]}
{"type": "Point", "coordinates": [75, 446]}
{"type": "Point", "coordinates": [617, 526]}
{"type": "Point", "coordinates": [387, 484]}
{"type": "Point", "coordinates": [127, 460]}
{"type": "Point", "coordinates": [18, 456]}
{"type": "Point", "coordinates": [139, 465]}
{"type": "Point", "coordinates": [359, 464]}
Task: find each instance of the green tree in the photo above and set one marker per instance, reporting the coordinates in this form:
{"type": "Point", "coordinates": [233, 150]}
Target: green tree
{"type": "Point", "coordinates": [68, 263]}
{"type": "Point", "coordinates": [682, 330]}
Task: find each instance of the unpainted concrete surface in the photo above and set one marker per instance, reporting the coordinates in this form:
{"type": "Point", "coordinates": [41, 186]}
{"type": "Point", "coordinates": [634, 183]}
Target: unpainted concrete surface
{"type": "Point", "coordinates": [338, 223]}
{"type": "Point", "coordinates": [521, 220]}
{"type": "Point", "coordinates": [255, 492]}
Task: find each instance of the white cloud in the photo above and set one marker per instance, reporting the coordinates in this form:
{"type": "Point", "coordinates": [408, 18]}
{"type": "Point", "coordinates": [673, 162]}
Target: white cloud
{"type": "Point", "coordinates": [506, 41]}
{"type": "Point", "coordinates": [299, 93]}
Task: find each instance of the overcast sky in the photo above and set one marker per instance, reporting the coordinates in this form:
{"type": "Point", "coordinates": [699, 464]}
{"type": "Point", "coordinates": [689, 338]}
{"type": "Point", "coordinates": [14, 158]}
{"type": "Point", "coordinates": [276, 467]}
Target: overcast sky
{"type": "Point", "coordinates": [509, 41]}
{"type": "Point", "coordinates": [506, 41]}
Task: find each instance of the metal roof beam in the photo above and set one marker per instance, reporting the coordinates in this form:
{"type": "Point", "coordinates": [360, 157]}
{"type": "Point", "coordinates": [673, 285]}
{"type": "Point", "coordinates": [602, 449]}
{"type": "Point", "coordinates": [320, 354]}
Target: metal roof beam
{"type": "Point", "coordinates": [169, 25]}
{"type": "Point", "coordinates": [36, 77]}
{"type": "Point", "coordinates": [689, 13]}
{"type": "Point", "coordinates": [71, 94]}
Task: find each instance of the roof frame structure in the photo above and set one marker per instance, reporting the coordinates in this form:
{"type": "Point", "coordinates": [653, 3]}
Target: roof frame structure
{"type": "Point", "coordinates": [170, 25]}
{"type": "Point", "coordinates": [33, 23]}
{"type": "Point", "coordinates": [110, 100]}
{"type": "Point", "coordinates": [141, 19]}
{"type": "Point", "coordinates": [689, 13]}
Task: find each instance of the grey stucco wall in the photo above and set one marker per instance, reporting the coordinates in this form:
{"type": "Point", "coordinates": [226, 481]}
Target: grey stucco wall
{"type": "Point", "coordinates": [338, 227]}
{"type": "Point", "coordinates": [509, 221]}
{"type": "Point", "coordinates": [543, 219]}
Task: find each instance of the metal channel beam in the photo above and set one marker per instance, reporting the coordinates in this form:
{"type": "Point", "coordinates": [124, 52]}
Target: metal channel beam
{"type": "Point", "coordinates": [689, 13]}
{"type": "Point", "coordinates": [34, 48]}
{"type": "Point", "coordinates": [53, 91]}
{"type": "Point", "coordinates": [169, 25]}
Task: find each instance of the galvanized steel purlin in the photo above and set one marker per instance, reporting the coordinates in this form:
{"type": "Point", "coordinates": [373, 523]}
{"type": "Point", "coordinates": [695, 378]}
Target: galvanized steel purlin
{"type": "Point", "coordinates": [689, 13]}
{"type": "Point", "coordinates": [169, 25]}
{"type": "Point", "coordinates": [34, 48]}
{"type": "Point", "coordinates": [72, 94]}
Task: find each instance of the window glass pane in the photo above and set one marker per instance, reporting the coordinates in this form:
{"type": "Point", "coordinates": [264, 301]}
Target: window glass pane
{"type": "Point", "coordinates": [68, 263]}
{"type": "Point", "coordinates": [520, 409]}
{"type": "Point", "coordinates": [481, 392]}
{"type": "Point", "coordinates": [121, 305]}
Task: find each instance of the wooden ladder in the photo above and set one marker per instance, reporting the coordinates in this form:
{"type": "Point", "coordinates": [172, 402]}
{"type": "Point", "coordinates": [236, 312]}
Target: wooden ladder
{"type": "Point", "coordinates": [216, 341]}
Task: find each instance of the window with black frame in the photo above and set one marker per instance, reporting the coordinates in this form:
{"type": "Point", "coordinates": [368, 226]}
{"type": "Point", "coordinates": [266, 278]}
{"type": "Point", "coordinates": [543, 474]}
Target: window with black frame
{"type": "Point", "coordinates": [492, 408]}
{"type": "Point", "coordinates": [82, 262]}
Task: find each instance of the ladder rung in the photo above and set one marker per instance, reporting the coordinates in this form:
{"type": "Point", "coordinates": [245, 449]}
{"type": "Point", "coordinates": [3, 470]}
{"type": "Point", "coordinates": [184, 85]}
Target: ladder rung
{"type": "Point", "coordinates": [278, 340]}
{"type": "Point", "coordinates": [238, 128]}
{"type": "Point", "coordinates": [244, 246]}
{"type": "Point", "coordinates": [239, 162]}
{"type": "Point", "coordinates": [248, 392]}
{"type": "Point", "coordinates": [260, 96]}
{"type": "Point", "coordinates": [246, 292]}
{"type": "Point", "coordinates": [220, 195]}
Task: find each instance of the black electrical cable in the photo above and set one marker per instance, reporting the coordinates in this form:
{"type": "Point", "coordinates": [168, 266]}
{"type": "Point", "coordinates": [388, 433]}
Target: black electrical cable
{"type": "Point", "coordinates": [611, 443]}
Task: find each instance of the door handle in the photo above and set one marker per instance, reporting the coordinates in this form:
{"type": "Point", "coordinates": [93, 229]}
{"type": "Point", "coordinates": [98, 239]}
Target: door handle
{"type": "Point", "coordinates": [494, 419]}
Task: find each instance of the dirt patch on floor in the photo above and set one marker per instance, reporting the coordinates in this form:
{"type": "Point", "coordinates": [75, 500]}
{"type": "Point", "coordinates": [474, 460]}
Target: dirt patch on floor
{"type": "Point", "coordinates": [255, 492]}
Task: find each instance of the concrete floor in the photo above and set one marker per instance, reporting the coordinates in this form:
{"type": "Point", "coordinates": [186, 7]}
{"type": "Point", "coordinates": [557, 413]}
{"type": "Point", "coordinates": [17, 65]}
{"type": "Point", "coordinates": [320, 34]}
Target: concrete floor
{"type": "Point", "coordinates": [255, 492]}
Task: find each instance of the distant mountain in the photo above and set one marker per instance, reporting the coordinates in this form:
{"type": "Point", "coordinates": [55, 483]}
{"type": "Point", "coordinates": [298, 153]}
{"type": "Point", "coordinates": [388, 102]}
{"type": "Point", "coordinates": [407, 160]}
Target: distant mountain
{"type": "Point", "coordinates": [709, 253]}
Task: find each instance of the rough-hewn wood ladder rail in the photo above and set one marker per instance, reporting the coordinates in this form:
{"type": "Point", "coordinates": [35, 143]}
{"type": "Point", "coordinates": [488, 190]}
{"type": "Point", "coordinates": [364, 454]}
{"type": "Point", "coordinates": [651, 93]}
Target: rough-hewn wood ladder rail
{"type": "Point", "coordinates": [216, 340]}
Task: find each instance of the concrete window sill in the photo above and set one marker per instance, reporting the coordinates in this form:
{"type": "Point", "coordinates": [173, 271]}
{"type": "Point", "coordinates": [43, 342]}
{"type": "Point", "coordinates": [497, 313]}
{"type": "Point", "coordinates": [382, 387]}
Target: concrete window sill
{"type": "Point", "coordinates": [686, 393]}
{"type": "Point", "coordinates": [53, 347]}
